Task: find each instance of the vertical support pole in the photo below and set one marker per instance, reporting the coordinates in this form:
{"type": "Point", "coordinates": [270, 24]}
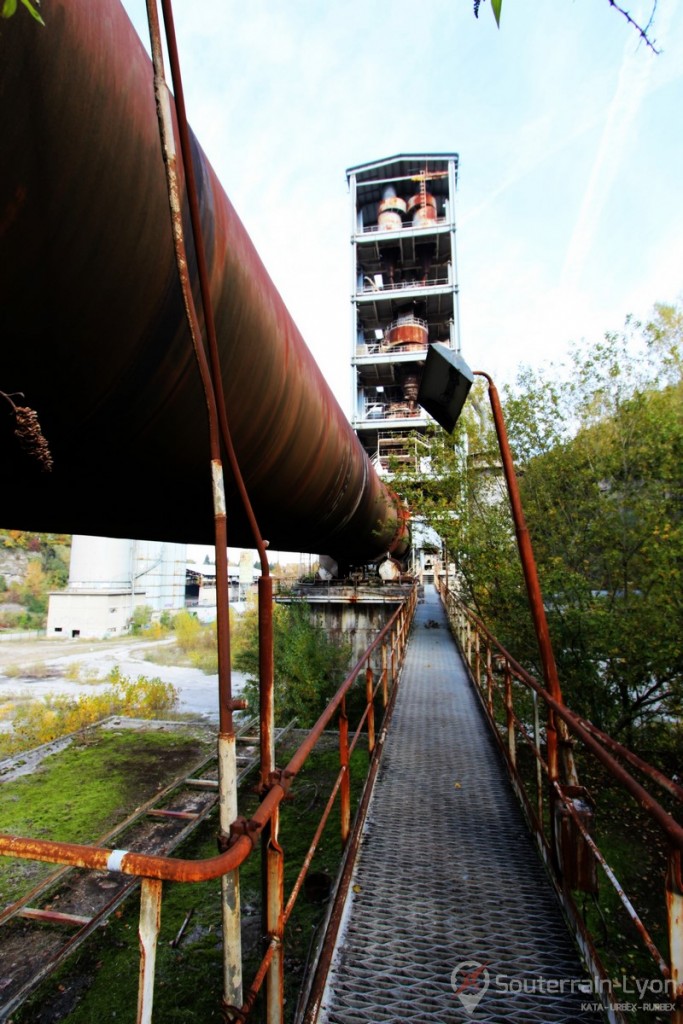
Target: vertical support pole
{"type": "Point", "coordinates": [489, 679]}
{"type": "Point", "coordinates": [148, 933]}
{"type": "Point", "coordinates": [674, 907]}
{"type": "Point", "coordinates": [266, 679]}
{"type": "Point", "coordinates": [539, 772]}
{"type": "Point", "coordinates": [509, 716]}
{"type": "Point", "coordinates": [345, 787]}
{"type": "Point", "coordinates": [275, 982]}
{"type": "Point", "coordinates": [477, 658]}
{"type": "Point", "coordinates": [230, 883]}
{"type": "Point", "coordinates": [385, 683]}
{"type": "Point", "coordinates": [272, 855]}
{"type": "Point", "coordinates": [210, 378]}
{"type": "Point", "coordinates": [530, 571]}
{"type": "Point", "coordinates": [370, 700]}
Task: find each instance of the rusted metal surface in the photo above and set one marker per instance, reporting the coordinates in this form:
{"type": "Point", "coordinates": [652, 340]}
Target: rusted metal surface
{"type": "Point", "coordinates": [575, 725]}
{"type": "Point", "coordinates": [94, 331]}
{"type": "Point", "coordinates": [411, 333]}
{"type": "Point", "coordinates": [582, 829]}
{"type": "Point", "coordinates": [275, 897]}
{"type": "Point", "coordinates": [674, 906]}
{"type": "Point", "coordinates": [217, 428]}
{"type": "Point", "coordinates": [54, 917]}
{"type": "Point", "coordinates": [148, 933]}
{"type": "Point", "coordinates": [345, 788]}
{"type": "Point", "coordinates": [533, 586]}
{"type": "Point", "coordinates": [390, 212]}
{"type": "Point", "coordinates": [266, 679]}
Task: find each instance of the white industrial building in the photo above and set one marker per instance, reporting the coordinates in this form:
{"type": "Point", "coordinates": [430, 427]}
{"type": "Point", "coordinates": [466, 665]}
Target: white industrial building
{"type": "Point", "coordinates": [109, 578]}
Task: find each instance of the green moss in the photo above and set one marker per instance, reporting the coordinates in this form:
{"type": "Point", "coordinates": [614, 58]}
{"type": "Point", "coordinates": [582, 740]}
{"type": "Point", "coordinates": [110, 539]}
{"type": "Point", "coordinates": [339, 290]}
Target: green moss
{"type": "Point", "coordinates": [85, 790]}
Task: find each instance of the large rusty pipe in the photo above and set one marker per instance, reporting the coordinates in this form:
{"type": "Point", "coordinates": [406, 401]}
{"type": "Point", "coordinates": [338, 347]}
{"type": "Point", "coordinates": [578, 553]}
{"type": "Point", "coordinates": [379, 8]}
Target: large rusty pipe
{"type": "Point", "coordinates": [94, 332]}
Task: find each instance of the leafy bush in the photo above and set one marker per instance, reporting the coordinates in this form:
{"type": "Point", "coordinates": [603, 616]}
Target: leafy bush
{"type": "Point", "coordinates": [197, 641]}
{"type": "Point", "coordinates": [55, 715]}
{"type": "Point", "coordinates": [140, 619]}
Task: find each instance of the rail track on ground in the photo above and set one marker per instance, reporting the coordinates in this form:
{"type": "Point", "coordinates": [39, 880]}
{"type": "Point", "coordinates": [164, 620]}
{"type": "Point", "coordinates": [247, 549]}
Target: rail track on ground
{"type": "Point", "coordinates": [41, 929]}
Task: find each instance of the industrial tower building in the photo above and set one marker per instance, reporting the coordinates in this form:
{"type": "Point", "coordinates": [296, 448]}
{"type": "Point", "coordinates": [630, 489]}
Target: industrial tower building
{"type": "Point", "coordinates": [405, 294]}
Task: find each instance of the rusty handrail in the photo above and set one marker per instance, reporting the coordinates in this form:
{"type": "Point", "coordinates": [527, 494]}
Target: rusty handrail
{"type": "Point", "coordinates": [472, 635]}
{"type": "Point", "coordinates": [588, 734]}
{"type": "Point", "coordinates": [179, 869]}
{"type": "Point", "coordinates": [391, 643]}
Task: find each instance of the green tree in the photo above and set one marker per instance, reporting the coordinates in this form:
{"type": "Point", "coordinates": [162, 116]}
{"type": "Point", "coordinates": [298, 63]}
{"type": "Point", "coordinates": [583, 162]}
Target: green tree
{"type": "Point", "coordinates": [598, 446]}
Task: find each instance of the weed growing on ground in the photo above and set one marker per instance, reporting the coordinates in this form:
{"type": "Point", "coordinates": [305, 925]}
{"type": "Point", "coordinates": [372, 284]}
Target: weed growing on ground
{"type": "Point", "coordinates": [77, 672]}
{"type": "Point", "coordinates": [38, 670]}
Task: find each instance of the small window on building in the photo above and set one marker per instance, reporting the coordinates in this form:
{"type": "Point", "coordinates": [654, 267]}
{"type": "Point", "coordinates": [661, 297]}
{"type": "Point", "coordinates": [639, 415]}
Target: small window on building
{"type": "Point", "coordinates": [75, 633]}
{"type": "Point", "coordinates": [58, 629]}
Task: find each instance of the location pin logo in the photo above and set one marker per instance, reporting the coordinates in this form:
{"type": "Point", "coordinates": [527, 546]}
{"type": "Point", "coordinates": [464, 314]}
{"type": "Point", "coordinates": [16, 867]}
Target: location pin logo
{"type": "Point", "coordinates": [470, 980]}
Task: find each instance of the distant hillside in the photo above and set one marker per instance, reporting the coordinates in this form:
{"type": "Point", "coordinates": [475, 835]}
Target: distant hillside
{"type": "Point", "coordinates": [31, 565]}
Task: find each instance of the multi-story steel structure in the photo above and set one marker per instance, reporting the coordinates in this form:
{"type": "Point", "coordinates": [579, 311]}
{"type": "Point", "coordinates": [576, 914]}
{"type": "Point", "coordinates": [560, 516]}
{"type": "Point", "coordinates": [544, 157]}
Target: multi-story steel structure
{"type": "Point", "coordinates": [405, 293]}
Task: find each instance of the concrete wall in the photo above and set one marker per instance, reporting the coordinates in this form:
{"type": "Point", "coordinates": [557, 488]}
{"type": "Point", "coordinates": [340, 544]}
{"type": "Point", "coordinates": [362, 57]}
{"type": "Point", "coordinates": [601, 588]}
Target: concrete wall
{"type": "Point", "coordinates": [354, 615]}
{"type": "Point", "coordinates": [92, 613]}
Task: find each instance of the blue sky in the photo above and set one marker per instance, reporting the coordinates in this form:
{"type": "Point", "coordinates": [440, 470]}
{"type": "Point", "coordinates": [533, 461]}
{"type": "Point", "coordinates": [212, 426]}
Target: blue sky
{"type": "Point", "coordinates": [569, 133]}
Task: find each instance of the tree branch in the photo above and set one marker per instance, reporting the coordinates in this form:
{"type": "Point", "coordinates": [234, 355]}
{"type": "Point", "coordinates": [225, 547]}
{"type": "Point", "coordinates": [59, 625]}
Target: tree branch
{"type": "Point", "coordinates": [643, 32]}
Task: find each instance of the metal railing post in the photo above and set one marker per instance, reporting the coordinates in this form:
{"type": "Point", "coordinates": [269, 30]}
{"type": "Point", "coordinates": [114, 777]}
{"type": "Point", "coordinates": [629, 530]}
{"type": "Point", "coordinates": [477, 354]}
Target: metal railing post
{"type": "Point", "coordinates": [674, 907]}
{"type": "Point", "coordinates": [539, 770]}
{"type": "Point", "coordinates": [385, 683]}
{"type": "Point", "coordinates": [345, 787]}
{"type": "Point", "coordinates": [148, 933]}
{"type": "Point", "coordinates": [275, 982]}
{"type": "Point", "coordinates": [509, 716]}
{"type": "Point", "coordinates": [477, 659]}
{"type": "Point", "coordinates": [230, 882]}
{"type": "Point", "coordinates": [489, 680]}
{"type": "Point", "coordinates": [370, 699]}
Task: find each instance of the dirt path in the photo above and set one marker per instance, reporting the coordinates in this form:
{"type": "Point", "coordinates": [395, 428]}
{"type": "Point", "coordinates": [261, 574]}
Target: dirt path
{"type": "Point", "coordinates": [25, 653]}
{"type": "Point", "coordinates": [197, 691]}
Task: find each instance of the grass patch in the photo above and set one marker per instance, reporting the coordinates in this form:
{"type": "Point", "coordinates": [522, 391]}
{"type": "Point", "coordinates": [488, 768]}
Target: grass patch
{"type": "Point", "coordinates": [169, 654]}
{"type": "Point", "coordinates": [100, 982]}
{"type": "Point", "coordinates": [83, 791]}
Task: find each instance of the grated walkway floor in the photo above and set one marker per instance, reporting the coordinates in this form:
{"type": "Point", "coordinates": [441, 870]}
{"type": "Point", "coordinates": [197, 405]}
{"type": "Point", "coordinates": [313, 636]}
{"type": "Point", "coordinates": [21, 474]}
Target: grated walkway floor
{"type": "Point", "coordinates": [477, 913]}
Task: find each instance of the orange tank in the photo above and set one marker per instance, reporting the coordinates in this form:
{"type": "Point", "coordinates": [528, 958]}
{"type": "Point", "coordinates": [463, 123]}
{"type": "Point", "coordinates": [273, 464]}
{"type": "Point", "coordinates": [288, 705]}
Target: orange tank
{"type": "Point", "coordinates": [411, 334]}
{"type": "Point", "coordinates": [391, 211]}
{"type": "Point", "coordinates": [423, 208]}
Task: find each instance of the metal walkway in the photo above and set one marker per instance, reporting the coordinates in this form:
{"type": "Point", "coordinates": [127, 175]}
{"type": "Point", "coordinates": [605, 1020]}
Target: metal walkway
{"type": "Point", "coordinates": [448, 891]}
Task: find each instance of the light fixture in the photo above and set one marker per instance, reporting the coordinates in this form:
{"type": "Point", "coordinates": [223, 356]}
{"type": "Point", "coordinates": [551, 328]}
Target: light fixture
{"type": "Point", "coordinates": [445, 385]}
